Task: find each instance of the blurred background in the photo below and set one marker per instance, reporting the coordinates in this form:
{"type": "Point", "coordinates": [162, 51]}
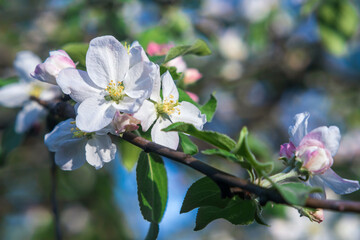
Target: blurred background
{"type": "Point", "coordinates": [271, 59]}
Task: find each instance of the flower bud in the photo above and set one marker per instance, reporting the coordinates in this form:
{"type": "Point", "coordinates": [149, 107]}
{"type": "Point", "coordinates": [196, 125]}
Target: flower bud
{"type": "Point", "coordinates": [315, 157]}
{"type": "Point", "coordinates": [192, 75]}
{"type": "Point", "coordinates": [287, 150]}
{"type": "Point", "coordinates": [124, 122]}
{"type": "Point", "coordinates": [193, 96]}
{"type": "Point", "coordinates": [317, 215]}
{"type": "Point", "coordinates": [50, 69]}
{"type": "Point", "coordinates": [155, 49]}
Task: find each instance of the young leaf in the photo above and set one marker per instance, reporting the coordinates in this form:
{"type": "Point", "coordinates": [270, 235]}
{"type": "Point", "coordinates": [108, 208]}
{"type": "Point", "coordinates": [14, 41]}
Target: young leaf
{"type": "Point", "coordinates": [238, 212]}
{"type": "Point", "coordinates": [77, 52]}
{"type": "Point", "coordinates": [153, 232]}
{"type": "Point", "coordinates": [217, 139]}
{"type": "Point", "coordinates": [199, 48]}
{"type": "Point", "coordinates": [203, 192]}
{"type": "Point", "coordinates": [242, 148]}
{"type": "Point", "coordinates": [152, 186]}
{"type": "Point", "coordinates": [222, 153]}
{"type": "Point", "coordinates": [172, 70]}
{"type": "Point", "coordinates": [296, 193]}
{"type": "Point", "coordinates": [209, 108]}
{"type": "Point", "coordinates": [129, 154]}
{"type": "Point", "coordinates": [187, 145]}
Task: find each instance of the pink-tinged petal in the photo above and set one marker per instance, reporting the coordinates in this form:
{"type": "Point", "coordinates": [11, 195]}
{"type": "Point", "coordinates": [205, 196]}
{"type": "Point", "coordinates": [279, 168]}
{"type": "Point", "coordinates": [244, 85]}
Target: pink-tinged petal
{"type": "Point", "coordinates": [192, 75]}
{"type": "Point", "coordinates": [337, 184]}
{"type": "Point", "coordinates": [100, 150]}
{"type": "Point", "coordinates": [189, 113]}
{"type": "Point", "coordinates": [71, 155]}
{"type": "Point", "coordinates": [146, 114]}
{"type": "Point", "coordinates": [106, 60]}
{"type": "Point", "coordinates": [24, 64]}
{"type": "Point", "coordinates": [179, 63]}
{"type": "Point", "coordinates": [167, 139]}
{"type": "Point", "coordinates": [94, 114]}
{"type": "Point", "coordinates": [155, 49]}
{"type": "Point", "coordinates": [299, 129]}
{"type": "Point", "coordinates": [193, 96]}
{"type": "Point", "coordinates": [124, 122]}
{"type": "Point", "coordinates": [169, 87]}
{"type": "Point", "coordinates": [287, 150]}
{"type": "Point", "coordinates": [30, 114]}
{"type": "Point", "coordinates": [316, 160]}
{"type": "Point", "coordinates": [77, 84]}
{"type": "Point", "coordinates": [328, 136]}
{"type": "Point", "coordinates": [15, 94]}
{"type": "Point", "coordinates": [137, 54]}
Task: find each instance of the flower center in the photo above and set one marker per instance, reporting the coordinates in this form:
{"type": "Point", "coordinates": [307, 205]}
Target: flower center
{"type": "Point", "coordinates": [77, 133]}
{"type": "Point", "coordinates": [168, 106]}
{"type": "Point", "coordinates": [115, 91]}
{"type": "Point", "coordinates": [36, 90]}
{"type": "Point", "coordinates": [127, 47]}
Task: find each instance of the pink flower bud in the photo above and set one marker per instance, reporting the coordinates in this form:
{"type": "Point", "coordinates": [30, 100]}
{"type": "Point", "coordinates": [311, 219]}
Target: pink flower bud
{"type": "Point", "coordinates": [318, 215]}
{"type": "Point", "coordinates": [287, 150]}
{"type": "Point", "coordinates": [124, 122]}
{"type": "Point", "coordinates": [155, 49]}
{"type": "Point", "coordinates": [193, 96]}
{"type": "Point", "coordinates": [50, 69]}
{"type": "Point", "coordinates": [192, 75]}
{"type": "Point", "coordinates": [315, 156]}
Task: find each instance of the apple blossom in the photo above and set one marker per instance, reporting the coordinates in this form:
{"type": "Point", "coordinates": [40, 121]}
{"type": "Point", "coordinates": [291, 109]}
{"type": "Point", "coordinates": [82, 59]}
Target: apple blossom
{"type": "Point", "coordinates": [117, 79]}
{"type": "Point", "coordinates": [124, 122]}
{"type": "Point", "coordinates": [50, 69]}
{"type": "Point", "coordinates": [155, 49]}
{"type": "Point", "coordinates": [73, 147]}
{"type": "Point", "coordinates": [19, 94]}
{"type": "Point", "coordinates": [167, 110]}
{"type": "Point", "coordinates": [316, 149]}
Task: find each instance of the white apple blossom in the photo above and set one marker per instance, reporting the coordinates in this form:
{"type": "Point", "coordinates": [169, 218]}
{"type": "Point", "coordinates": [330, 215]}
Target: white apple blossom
{"type": "Point", "coordinates": [19, 94]}
{"type": "Point", "coordinates": [73, 147]}
{"type": "Point", "coordinates": [117, 79]}
{"type": "Point", "coordinates": [167, 110]}
{"type": "Point", "coordinates": [315, 149]}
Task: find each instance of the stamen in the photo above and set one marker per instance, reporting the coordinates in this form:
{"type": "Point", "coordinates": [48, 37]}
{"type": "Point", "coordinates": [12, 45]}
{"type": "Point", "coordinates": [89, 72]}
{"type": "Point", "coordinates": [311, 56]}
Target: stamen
{"type": "Point", "coordinates": [168, 107]}
{"type": "Point", "coordinates": [36, 90]}
{"type": "Point", "coordinates": [115, 91]}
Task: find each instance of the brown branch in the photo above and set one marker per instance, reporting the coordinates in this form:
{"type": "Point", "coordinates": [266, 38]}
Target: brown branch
{"type": "Point", "coordinates": [228, 183]}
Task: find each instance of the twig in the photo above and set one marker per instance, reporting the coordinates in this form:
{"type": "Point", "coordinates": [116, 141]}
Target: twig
{"type": "Point", "coordinates": [54, 205]}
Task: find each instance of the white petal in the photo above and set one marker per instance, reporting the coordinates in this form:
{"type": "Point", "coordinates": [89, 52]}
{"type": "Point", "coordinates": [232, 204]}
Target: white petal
{"type": "Point", "coordinates": [71, 156]}
{"type": "Point", "coordinates": [146, 114]}
{"type": "Point", "coordinates": [30, 114]}
{"type": "Point", "coordinates": [99, 150]}
{"type": "Point", "coordinates": [169, 87]}
{"type": "Point", "coordinates": [167, 139]}
{"type": "Point", "coordinates": [77, 84]}
{"type": "Point", "coordinates": [137, 54]}
{"type": "Point", "coordinates": [339, 185]}
{"type": "Point", "coordinates": [128, 105]}
{"type": "Point", "coordinates": [299, 129]}
{"type": "Point", "coordinates": [94, 114]}
{"type": "Point", "coordinates": [189, 113]}
{"type": "Point", "coordinates": [106, 60]}
{"type": "Point", "coordinates": [155, 75]}
{"type": "Point", "coordinates": [50, 93]}
{"type": "Point", "coordinates": [330, 137]}
{"type": "Point", "coordinates": [15, 94]}
{"type": "Point", "coordinates": [60, 135]}
{"type": "Point", "coordinates": [138, 82]}
{"type": "Point", "coordinates": [25, 63]}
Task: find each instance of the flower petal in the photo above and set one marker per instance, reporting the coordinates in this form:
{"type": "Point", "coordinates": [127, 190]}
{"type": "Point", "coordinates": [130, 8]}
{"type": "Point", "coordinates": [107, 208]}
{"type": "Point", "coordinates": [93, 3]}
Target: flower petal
{"type": "Point", "coordinates": [60, 135]}
{"type": "Point", "coordinates": [94, 114]}
{"type": "Point", "coordinates": [155, 75]}
{"type": "Point", "coordinates": [77, 84]}
{"type": "Point", "coordinates": [167, 139]}
{"type": "Point", "coordinates": [299, 129]}
{"type": "Point", "coordinates": [106, 60]}
{"type": "Point", "coordinates": [316, 181]}
{"type": "Point", "coordinates": [15, 94]}
{"type": "Point", "coordinates": [338, 184]}
{"type": "Point", "coordinates": [168, 86]}
{"type": "Point", "coordinates": [71, 155]}
{"type": "Point", "coordinates": [30, 113]}
{"type": "Point", "coordinates": [329, 136]}
{"type": "Point", "coordinates": [25, 63]}
{"type": "Point", "coordinates": [137, 54]}
{"type": "Point", "coordinates": [100, 150]}
{"type": "Point", "coordinates": [189, 113]}
{"type": "Point", "coordinates": [50, 93]}
{"type": "Point", "coordinates": [146, 114]}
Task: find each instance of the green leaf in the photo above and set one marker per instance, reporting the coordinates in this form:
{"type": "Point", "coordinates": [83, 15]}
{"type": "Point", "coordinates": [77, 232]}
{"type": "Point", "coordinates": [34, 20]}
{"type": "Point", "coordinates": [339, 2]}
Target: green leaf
{"type": "Point", "coordinates": [258, 216]}
{"type": "Point", "coordinates": [129, 154]}
{"type": "Point", "coordinates": [217, 139]}
{"type": "Point", "coordinates": [296, 193]}
{"type": "Point", "coordinates": [199, 48]}
{"type": "Point", "coordinates": [203, 192]}
{"type": "Point", "coordinates": [183, 96]}
{"type": "Point", "coordinates": [157, 59]}
{"type": "Point", "coordinates": [242, 148]}
{"type": "Point", "coordinates": [222, 153]}
{"type": "Point", "coordinates": [77, 52]}
{"type": "Point", "coordinates": [238, 212]}
{"type": "Point", "coordinates": [209, 108]}
{"type": "Point", "coordinates": [153, 231]}
{"type": "Point", "coordinates": [187, 145]}
{"type": "Point", "coordinates": [9, 141]}
{"type": "Point", "coordinates": [172, 70]}
{"type": "Point", "coordinates": [152, 186]}
{"type": "Point", "coordinates": [6, 81]}
{"type": "Point", "coordinates": [334, 42]}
